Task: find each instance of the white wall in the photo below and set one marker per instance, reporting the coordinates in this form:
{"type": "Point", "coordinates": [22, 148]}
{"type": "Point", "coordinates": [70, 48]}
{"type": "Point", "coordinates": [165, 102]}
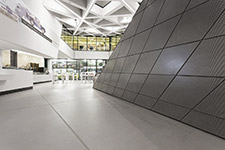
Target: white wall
{"type": "Point", "coordinates": [92, 55]}
{"type": "Point", "coordinates": [20, 36]}
{"type": "Point", "coordinates": [25, 60]}
{"type": "Point", "coordinates": [5, 57]}
{"type": "Point", "coordinates": [52, 25]}
{"type": "Point", "coordinates": [0, 59]}
{"type": "Point", "coordinates": [65, 51]}
{"type": "Point", "coordinates": [28, 40]}
{"type": "Point", "coordinates": [15, 35]}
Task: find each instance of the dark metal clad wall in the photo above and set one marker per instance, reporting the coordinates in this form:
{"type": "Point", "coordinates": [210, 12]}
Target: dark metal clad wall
{"type": "Point", "coordinates": [172, 60]}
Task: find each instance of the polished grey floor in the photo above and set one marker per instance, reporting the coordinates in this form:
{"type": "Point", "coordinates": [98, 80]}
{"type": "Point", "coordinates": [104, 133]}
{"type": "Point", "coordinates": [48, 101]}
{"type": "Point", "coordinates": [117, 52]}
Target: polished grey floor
{"type": "Point", "coordinates": [74, 116]}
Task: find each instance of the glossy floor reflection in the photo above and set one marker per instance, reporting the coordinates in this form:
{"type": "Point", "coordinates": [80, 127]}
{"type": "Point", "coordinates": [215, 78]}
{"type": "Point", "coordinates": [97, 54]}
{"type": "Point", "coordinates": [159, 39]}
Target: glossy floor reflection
{"type": "Point", "coordinates": [76, 117]}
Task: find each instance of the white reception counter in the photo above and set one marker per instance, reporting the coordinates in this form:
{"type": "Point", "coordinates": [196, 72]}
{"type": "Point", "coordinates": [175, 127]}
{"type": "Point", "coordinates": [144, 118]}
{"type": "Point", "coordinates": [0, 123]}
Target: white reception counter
{"type": "Point", "coordinates": [11, 80]}
{"type": "Point", "coordinates": [42, 78]}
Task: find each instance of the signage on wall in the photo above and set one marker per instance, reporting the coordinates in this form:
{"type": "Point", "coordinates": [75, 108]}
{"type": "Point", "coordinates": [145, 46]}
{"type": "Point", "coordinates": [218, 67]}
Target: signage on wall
{"type": "Point", "coordinates": [6, 9]}
{"type": "Point", "coordinates": [19, 12]}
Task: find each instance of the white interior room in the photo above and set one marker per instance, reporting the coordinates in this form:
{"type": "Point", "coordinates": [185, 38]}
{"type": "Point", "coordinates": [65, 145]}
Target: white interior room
{"type": "Point", "coordinates": [59, 89]}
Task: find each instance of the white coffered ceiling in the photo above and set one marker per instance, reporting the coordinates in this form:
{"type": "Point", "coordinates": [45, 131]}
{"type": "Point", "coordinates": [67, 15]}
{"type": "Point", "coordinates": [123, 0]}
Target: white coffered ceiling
{"type": "Point", "coordinates": [94, 17]}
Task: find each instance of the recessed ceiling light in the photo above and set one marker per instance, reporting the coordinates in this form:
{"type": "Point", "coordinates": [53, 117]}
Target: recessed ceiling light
{"type": "Point", "coordinates": [126, 20]}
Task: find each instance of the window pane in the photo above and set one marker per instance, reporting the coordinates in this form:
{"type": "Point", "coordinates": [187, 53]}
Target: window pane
{"type": "Point", "coordinates": [91, 65]}
{"type": "Point", "coordinates": [83, 65]}
{"type": "Point", "coordinates": [67, 37]}
{"type": "Point", "coordinates": [68, 40]}
{"type": "Point", "coordinates": [100, 65]}
{"type": "Point", "coordinates": [75, 44]}
{"type": "Point", "coordinates": [82, 43]}
{"type": "Point", "coordinates": [100, 43]}
{"type": "Point", "coordinates": [113, 43]}
{"type": "Point", "coordinates": [91, 43]}
{"type": "Point", "coordinates": [107, 44]}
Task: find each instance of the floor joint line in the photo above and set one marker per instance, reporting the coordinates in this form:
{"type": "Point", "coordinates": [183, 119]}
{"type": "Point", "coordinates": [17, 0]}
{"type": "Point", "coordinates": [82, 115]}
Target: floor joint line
{"type": "Point", "coordinates": [71, 129]}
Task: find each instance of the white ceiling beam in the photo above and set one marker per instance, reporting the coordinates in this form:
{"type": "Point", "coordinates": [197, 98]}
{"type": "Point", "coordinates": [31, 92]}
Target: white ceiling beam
{"type": "Point", "coordinates": [87, 11]}
{"type": "Point", "coordinates": [81, 19]}
{"type": "Point", "coordinates": [128, 6]}
{"type": "Point", "coordinates": [109, 16]}
{"type": "Point", "coordinates": [54, 7]}
{"type": "Point", "coordinates": [74, 4]}
{"type": "Point", "coordinates": [66, 11]}
{"type": "Point", "coordinates": [110, 9]}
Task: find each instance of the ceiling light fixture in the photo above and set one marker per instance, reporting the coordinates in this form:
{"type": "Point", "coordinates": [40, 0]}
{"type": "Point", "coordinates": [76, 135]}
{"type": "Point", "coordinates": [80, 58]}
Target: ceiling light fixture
{"type": "Point", "coordinates": [126, 20]}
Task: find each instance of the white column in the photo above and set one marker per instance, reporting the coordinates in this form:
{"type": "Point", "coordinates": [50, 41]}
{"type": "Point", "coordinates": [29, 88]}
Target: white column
{"type": "Point", "coordinates": [49, 65]}
{"type": "Point", "coordinates": [0, 59]}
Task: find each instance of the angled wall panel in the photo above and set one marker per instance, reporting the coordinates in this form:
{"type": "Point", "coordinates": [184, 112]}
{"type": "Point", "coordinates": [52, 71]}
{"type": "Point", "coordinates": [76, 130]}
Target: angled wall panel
{"type": "Point", "coordinates": [171, 60]}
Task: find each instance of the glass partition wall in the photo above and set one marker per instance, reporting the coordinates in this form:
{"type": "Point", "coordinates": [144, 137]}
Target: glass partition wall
{"type": "Point", "coordinates": [78, 66]}
{"type": "Point", "coordinates": [89, 43]}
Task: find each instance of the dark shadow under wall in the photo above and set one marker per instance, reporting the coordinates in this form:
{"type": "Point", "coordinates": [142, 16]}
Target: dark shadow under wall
{"type": "Point", "coordinates": [171, 60]}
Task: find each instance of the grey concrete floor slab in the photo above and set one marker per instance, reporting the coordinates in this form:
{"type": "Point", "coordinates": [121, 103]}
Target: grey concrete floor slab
{"type": "Point", "coordinates": [74, 116]}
